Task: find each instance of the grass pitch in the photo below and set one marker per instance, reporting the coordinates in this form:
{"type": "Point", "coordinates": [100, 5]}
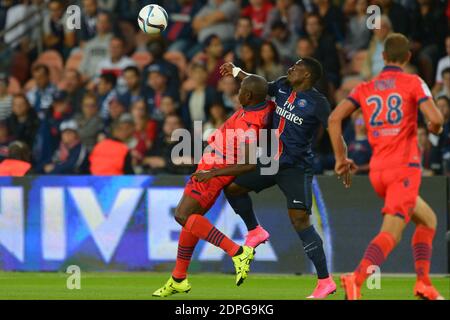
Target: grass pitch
{"type": "Point", "coordinates": [140, 285]}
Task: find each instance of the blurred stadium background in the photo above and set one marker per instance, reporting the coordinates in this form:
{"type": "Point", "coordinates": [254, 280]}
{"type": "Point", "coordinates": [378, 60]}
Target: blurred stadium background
{"type": "Point", "coordinates": [109, 80]}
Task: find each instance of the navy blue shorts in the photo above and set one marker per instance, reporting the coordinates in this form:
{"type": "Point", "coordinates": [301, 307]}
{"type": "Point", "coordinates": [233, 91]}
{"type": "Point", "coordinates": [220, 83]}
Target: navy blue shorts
{"type": "Point", "coordinates": [294, 182]}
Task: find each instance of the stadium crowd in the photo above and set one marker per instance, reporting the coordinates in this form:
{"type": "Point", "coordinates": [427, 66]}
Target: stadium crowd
{"type": "Point", "coordinates": [107, 97]}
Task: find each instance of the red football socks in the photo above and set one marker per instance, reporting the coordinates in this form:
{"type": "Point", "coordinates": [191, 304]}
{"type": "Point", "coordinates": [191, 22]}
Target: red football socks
{"type": "Point", "coordinates": [375, 254]}
{"type": "Point", "coordinates": [186, 246]}
{"type": "Point", "coordinates": [203, 229]}
{"type": "Point", "coordinates": [422, 247]}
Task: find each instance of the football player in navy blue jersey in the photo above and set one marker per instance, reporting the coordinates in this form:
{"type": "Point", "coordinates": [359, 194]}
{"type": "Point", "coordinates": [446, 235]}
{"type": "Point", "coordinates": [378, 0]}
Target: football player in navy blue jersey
{"type": "Point", "coordinates": [300, 111]}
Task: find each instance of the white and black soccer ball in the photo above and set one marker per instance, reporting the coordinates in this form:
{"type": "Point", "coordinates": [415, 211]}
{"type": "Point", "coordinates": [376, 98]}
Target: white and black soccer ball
{"type": "Point", "coordinates": [153, 19]}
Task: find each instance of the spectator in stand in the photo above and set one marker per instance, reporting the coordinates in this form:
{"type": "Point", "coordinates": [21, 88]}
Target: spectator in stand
{"type": "Point", "coordinates": [216, 17]}
{"type": "Point", "coordinates": [49, 135]}
{"type": "Point", "coordinates": [305, 47]}
{"type": "Point", "coordinates": [270, 66]}
{"type": "Point", "coordinates": [71, 156]}
{"type": "Point", "coordinates": [5, 97]}
{"type": "Point", "coordinates": [115, 63]}
{"type": "Point", "coordinates": [249, 58]}
{"type": "Point", "coordinates": [23, 123]}
{"type": "Point", "coordinates": [57, 35]}
{"type": "Point", "coordinates": [146, 128]}
{"type": "Point", "coordinates": [73, 85]}
{"type": "Point", "coordinates": [134, 92]}
{"type": "Point", "coordinates": [443, 63]}
{"type": "Point", "coordinates": [168, 107]}
{"type": "Point", "coordinates": [217, 117]}
{"type": "Point", "coordinates": [136, 146]}
{"type": "Point", "coordinates": [212, 57]}
{"type": "Point", "coordinates": [443, 103]}
{"type": "Point", "coordinates": [157, 87]}
{"type": "Point", "coordinates": [358, 35]}
{"type": "Point", "coordinates": [324, 49]}
{"type": "Point", "coordinates": [157, 50]}
{"type": "Point", "coordinates": [89, 16]}
{"type": "Point", "coordinates": [159, 157]}
{"type": "Point", "coordinates": [445, 91]}
{"type": "Point", "coordinates": [179, 31]}
{"type": "Point", "coordinates": [116, 110]}
{"type": "Point", "coordinates": [106, 92]}
{"type": "Point", "coordinates": [374, 63]}
{"type": "Point", "coordinates": [425, 149]}
{"type": "Point", "coordinates": [398, 15]}
{"type": "Point", "coordinates": [359, 148]}
{"type": "Point", "coordinates": [111, 156]}
{"type": "Point", "coordinates": [199, 99]}
{"type": "Point", "coordinates": [18, 163]}
{"type": "Point", "coordinates": [244, 34]}
{"type": "Point", "coordinates": [228, 93]}
{"type": "Point", "coordinates": [4, 140]}
{"type": "Point", "coordinates": [285, 42]}
{"type": "Point", "coordinates": [287, 12]}
{"type": "Point", "coordinates": [332, 17]}
{"type": "Point", "coordinates": [89, 122]}
{"type": "Point", "coordinates": [428, 34]}
{"type": "Point", "coordinates": [258, 11]}
{"type": "Point", "coordinates": [96, 49]}
{"type": "Point", "coordinates": [40, 96]}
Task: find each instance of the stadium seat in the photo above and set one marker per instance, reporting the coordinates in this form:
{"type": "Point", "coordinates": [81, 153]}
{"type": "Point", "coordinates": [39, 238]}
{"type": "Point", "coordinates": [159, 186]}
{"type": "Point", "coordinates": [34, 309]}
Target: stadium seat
{"type": "Point", "coordinates": [74, 60]}
{"type": "Point", "coordinates": [142, 59]}
{"type": "Point", "coordinates": [14, 86]}
{"type": "Point", "coordinates": [54, 61]}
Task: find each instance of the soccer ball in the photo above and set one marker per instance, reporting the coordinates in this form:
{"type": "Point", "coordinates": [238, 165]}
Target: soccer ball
{"type": "Point", "coordinates": [153, 19]}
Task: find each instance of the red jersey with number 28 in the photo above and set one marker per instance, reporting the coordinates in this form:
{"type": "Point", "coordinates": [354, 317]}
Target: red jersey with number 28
{"type": "Point", "coordinates": [390, 103]}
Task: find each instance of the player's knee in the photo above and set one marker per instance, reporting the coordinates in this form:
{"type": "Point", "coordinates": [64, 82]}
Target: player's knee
{"type": "Point", "coordinates": [181, 216]}
{"type": "Point", "coordinates": [299, 219]}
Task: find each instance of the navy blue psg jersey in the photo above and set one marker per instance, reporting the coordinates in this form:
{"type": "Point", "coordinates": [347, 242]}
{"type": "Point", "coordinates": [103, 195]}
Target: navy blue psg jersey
{"type": "Point", "coordinates": [298, 116]}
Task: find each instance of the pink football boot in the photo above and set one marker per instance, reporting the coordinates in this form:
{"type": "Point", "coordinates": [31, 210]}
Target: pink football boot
{"type": "Point", "coordinates": [324, 288]}
{"type": "Point", "coordinates": [256, 236]}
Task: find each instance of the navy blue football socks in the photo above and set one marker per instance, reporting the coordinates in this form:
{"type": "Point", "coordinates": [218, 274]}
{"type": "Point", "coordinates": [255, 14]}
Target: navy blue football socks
{"type": "Point", "coordinates": [242, 205]}
{"type": "Point", "coordinates": [313, 245]}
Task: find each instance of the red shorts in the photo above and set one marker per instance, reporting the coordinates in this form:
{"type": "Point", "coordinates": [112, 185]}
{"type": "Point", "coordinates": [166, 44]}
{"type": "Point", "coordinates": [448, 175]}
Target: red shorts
{"type": "Point", "coordinates": [206, 193]}
{"type": "Point", "coordinates": [399, 188]}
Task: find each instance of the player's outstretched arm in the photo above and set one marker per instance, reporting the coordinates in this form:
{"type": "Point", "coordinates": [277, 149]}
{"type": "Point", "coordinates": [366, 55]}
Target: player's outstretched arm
{"type": "Point", "coordinates": [233, 169]}
{"type": "Point", "coordinates": [229, 69]}
{"type": "Point", "coordinates": [344, 166]}
{"type": "Point", "coordinates": [433, 116]}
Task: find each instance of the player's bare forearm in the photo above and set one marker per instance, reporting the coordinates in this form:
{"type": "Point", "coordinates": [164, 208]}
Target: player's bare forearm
{"type": "Point", "coordinates": [337, 140]}
{"type": "Point", "coordinates": [227, 70]}
{"type": "Point", "coordinates": [433, 116]}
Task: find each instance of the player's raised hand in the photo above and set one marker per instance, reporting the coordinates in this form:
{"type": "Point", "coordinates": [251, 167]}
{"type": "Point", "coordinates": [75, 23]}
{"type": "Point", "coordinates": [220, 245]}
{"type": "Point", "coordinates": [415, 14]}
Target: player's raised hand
{"type": "Point", "coordinates": [203, 175]}
{"type": "Point", "coordinates": [345, 168]}
{"type": "Point", "coordinates": [227, 69]}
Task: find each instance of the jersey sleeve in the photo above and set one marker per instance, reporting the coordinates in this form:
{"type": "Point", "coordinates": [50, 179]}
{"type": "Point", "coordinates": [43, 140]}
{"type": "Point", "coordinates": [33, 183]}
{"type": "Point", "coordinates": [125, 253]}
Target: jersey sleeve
{"type": "Point", "coordinates": [355, 96]}
{"type": "Point", "coordinates": [323, 111]}
{"type": "Point", "coordinates": [421, 91]}
{"type": "Point", "coordinates": [275, 85]}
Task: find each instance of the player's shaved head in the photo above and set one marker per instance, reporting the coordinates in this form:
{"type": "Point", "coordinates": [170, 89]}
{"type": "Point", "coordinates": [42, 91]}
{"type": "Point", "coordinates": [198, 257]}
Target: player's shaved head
{"type": "Point", "coordinates": [396, 48]}
{"type": "Point", "coordinates": [257, 86]}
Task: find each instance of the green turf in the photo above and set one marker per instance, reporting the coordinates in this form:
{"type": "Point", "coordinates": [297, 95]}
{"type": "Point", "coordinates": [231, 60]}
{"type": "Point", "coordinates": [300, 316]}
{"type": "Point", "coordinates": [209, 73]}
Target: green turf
{"type": "Point", "coordinates": [140, 285]}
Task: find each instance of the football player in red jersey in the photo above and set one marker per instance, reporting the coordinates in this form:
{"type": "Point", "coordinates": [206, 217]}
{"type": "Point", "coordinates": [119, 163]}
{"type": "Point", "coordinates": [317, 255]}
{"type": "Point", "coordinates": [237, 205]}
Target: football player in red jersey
{"type": "Point", "coordinates": [390, 104]}
{"type": "Point", "coordinates": [217, 169]}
